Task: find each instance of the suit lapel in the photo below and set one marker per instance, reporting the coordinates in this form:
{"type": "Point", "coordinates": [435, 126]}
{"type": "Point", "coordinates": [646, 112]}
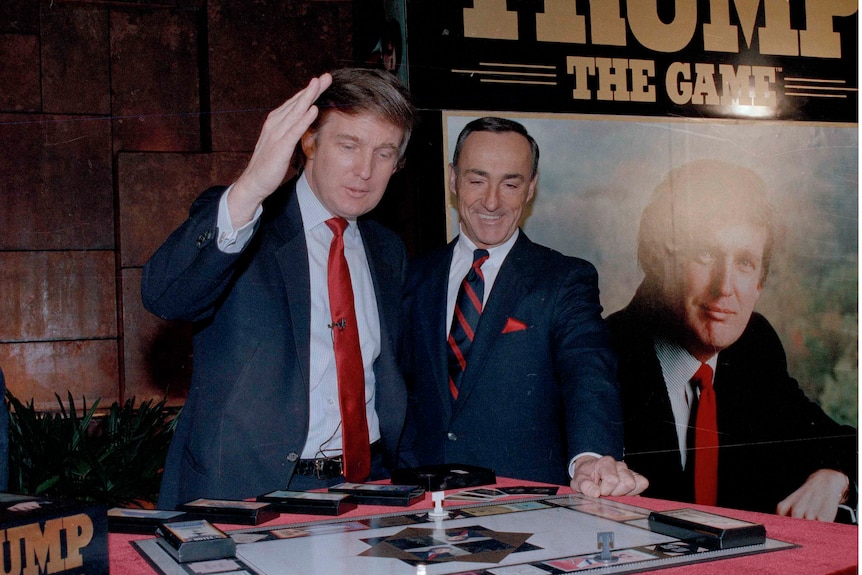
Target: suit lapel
{"type": "Point", "coordinates": [384, 277]}
{"type": "Point", "coordinates": [292, 257]}
{"type": "Point", "coordinates": [431, 304]}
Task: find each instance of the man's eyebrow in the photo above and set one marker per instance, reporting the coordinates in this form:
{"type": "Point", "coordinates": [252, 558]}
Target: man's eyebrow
{"type": "Point", "coordinates": [347, 137]}
{"type": "Point", "coordinates": [358, 140]}
{"type": "Point", "coordinates": [484, 174]}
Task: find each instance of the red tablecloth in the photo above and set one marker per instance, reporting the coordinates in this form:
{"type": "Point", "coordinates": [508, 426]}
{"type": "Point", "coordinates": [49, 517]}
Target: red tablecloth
{"type": "Point", "coordinates": [825, 548]}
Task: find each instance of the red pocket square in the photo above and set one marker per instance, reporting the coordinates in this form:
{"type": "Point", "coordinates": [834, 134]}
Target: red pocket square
{"type": "Point", "coordinates": [513, 324]}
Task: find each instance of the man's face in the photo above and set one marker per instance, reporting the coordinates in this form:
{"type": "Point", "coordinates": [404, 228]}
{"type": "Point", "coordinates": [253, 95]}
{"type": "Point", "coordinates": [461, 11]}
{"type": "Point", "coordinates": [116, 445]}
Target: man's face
{"type": "Point", "coordinates": [493, 185]}
{"type": "Point", "coordinates": [719, 283]}
{"type": "Point", "coordinates": [349, 162]}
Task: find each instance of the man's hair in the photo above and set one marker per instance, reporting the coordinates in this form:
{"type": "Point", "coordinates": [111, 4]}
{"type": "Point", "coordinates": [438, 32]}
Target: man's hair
{"type": "Point", "coordinates": [701, 195]}
{"type": "Point", "coordinates": [497, 125]}
{"type": "Point", "coordinates": [357, 91]}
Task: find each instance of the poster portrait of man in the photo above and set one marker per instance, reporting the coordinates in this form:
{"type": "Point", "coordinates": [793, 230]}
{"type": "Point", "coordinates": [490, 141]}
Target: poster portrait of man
{"type": "Point", "coordinates": [727, 262]}
{"type": "Point", "coordinates": [597, 174]}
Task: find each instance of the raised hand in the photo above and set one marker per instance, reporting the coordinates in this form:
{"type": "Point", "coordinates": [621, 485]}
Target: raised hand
{"type": "Point", "coordinates": [270, 161]}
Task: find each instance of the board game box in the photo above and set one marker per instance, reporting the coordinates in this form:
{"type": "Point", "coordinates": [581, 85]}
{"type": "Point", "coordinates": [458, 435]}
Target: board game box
{"type": "Point", "coordinates": [47, 535]}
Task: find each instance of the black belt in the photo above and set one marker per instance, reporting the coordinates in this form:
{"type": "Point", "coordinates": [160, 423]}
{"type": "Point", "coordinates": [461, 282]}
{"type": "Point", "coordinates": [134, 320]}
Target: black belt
{"type": "Point", "coordinates": [329, 467]}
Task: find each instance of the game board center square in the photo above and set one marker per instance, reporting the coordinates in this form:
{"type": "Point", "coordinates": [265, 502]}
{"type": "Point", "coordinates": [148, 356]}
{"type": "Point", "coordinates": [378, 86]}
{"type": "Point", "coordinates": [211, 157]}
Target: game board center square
{"type": "Point", "coordinates": [472, 543]}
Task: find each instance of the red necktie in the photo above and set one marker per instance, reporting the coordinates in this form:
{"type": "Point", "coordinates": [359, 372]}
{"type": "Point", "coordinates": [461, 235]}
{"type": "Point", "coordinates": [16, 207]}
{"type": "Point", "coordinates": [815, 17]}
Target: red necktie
{"type": "Point", "coordinates": [468, 309]}
{"type": "Point", "coordinates": [705, 440]}
{"type": "Point", "coordinates": [348, 360]}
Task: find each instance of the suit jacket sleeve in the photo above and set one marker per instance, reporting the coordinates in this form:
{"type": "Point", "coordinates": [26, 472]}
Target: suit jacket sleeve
{"type": "Point", "coordinates": [585, 366]}
{"type": "Point", "coordinates": [759, 402]}
{"type": "Point", "coordinates": [188, 274]}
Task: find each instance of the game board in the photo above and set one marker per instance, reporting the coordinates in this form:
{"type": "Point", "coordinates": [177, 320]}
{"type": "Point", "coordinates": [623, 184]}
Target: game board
{"type": "Point", "coordinates": [534, 536]}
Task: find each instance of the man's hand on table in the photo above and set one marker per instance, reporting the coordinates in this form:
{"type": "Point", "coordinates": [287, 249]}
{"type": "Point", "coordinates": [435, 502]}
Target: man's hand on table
{"type": "Point", "coordinates": [605, 476]}
{"type": "Point", "coordinates": [818, 497]}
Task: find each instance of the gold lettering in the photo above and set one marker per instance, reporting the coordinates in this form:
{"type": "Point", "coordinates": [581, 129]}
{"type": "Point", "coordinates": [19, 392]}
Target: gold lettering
{"type": "Point", "coordinates": [582, 68]}
{"type": "Point", "coordinates": [41, 549]}
{"type": "Point", "coordinates": [79, 533]}
{"type": "Point", "coordinates": [606, 25]}
{"type": "Point", "coordinates": [777, 37]}
{"type": "Point", "coordinates": [654, 34]}
{"type": "Point", "coordinates": [704, 91]}
{"type": "Point", "coordinates": [14, 557]}
{"type": "Point", "coordinates": [735, 85]}
{"type": "Point", "coordinates": [677, 83]}
{"type": "Point", "coordinates": [819, 39]}
{"type": "Point", "coordinates": [720, 35]}
{"type": "Point", "coordinates": [764, 79]}
{"type": "Point", "coordinates": [612, 79]}
{"type": "Point", "coordinates": [561, 23]}
{"type": "Point", "coordinates": [642, 71]}
{"type": "Point", "coordinates": [490, 19]}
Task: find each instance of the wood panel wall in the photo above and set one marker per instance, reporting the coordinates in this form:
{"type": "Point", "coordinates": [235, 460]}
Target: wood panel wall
{"type": "Point", "coordinates": [114, 115]}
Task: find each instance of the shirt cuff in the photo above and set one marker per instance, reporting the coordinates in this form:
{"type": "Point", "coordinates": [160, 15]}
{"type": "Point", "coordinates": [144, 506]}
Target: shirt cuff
{"type": "Point", "coordinates": [578, 456]}
{"type": "Point", "coordinates": [231, 241]}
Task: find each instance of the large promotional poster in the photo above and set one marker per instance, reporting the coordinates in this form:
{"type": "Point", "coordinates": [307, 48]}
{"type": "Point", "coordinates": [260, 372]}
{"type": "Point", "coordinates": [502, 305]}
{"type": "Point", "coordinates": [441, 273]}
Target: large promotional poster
{"type": "Point", "coordinates": [620, 93]}
{"type": "Point", "coordinates": [781, 59]}
{"type": "Point", "coordinates": [596, 175]}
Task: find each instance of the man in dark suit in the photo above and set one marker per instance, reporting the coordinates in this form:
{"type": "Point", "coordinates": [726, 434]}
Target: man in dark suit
{"type": "Point", "coordinates": [705, 246]}
{"type": "Point", "coordinates": [250, 268]}
{"type": "Point", "coordinates": [535, 396]}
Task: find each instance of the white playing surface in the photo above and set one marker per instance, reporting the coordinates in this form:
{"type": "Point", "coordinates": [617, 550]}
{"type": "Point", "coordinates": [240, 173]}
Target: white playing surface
{"type": "Point", "coordinates": [559, 532]}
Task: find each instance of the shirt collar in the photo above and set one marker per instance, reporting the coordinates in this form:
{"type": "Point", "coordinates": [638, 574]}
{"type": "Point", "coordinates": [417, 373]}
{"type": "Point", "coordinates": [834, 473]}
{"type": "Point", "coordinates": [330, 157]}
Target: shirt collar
{"type": "Point", "coordinates": [496, 254]}
{"type": "Point", "coordinates": [676, 362]}
{"type": "Point", "coordinates": [313, 212]}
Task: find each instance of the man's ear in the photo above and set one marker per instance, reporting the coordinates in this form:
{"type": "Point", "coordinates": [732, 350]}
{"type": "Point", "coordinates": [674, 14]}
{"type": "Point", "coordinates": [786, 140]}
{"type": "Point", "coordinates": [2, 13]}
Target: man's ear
{"type": "Point", "coordinates": [531, 191]}
{"type": "Point", "coordinates": [453, 180]}
{"type": "Point", "coordinates": [309, 144]}
{"type": "Point", "coordinates": [759, 290]}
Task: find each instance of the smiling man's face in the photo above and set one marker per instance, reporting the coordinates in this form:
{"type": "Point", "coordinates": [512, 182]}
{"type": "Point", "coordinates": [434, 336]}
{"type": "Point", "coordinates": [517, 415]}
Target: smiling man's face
{"type": "Point", "coordinates": [493, 183]}
{"type": "Point", "coordinates": [719, 281]}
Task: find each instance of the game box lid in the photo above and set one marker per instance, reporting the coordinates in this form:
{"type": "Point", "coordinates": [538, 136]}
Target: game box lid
{"type": "Point", "coordinates": [309, 502]}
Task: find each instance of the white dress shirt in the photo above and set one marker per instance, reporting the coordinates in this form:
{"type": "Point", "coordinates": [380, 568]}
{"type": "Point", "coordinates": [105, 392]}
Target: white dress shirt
{"type": "Point", "coordinates": [324, 430]}
{"type": "Point", "coordinates": [678, 367]}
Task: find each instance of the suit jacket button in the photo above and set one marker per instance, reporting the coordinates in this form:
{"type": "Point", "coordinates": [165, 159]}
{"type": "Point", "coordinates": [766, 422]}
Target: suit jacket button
{"type": "Point", "coordinates": [292, 456]}
{"type": "Point", "coordinates": [452, 436]}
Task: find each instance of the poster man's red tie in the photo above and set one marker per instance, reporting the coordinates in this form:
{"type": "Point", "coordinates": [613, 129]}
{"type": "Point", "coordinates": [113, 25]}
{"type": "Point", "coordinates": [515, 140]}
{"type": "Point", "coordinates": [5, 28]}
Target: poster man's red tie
{"type": "Point", "coordinates": [468, 308]}
{"type": "Point", "coordinates": [705, 440]}
{"type": "Point", "coordinates": [348, 360]}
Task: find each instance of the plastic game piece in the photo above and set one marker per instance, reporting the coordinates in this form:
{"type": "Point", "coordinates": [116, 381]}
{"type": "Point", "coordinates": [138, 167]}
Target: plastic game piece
{"type": "Point", "coordinates": [606, 541]}
{"type": "Point", "coordinates": [437, 498]}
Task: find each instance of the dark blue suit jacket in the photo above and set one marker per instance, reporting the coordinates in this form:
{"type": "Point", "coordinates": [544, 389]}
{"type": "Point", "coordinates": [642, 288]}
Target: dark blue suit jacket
{"type": "Point", "coordinates": [245, 421]}
{"type": "Point", "coordinates": [771, 436]}
{"type": "Point", "coordinates": [530, 399]}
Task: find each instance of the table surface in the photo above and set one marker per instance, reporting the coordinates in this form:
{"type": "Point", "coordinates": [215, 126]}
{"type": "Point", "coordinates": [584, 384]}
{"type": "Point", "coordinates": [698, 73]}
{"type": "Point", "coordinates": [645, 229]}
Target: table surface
{"type": "Point", "coordinates": [824, 548]}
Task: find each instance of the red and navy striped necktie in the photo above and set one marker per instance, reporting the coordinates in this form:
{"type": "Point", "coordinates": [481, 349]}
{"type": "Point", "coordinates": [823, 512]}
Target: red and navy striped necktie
{"type": "Point", "coordinates": [468, 308]}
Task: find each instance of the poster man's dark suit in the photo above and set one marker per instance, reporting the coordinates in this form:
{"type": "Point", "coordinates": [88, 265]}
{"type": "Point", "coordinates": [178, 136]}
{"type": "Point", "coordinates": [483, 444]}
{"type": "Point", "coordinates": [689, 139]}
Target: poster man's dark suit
{"type": "Point", "coordinates": [539, 386]}
{"type": "Point", "coordinates": [771, 436]}
{"type": "Point", "coordinates": [245, 421]}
